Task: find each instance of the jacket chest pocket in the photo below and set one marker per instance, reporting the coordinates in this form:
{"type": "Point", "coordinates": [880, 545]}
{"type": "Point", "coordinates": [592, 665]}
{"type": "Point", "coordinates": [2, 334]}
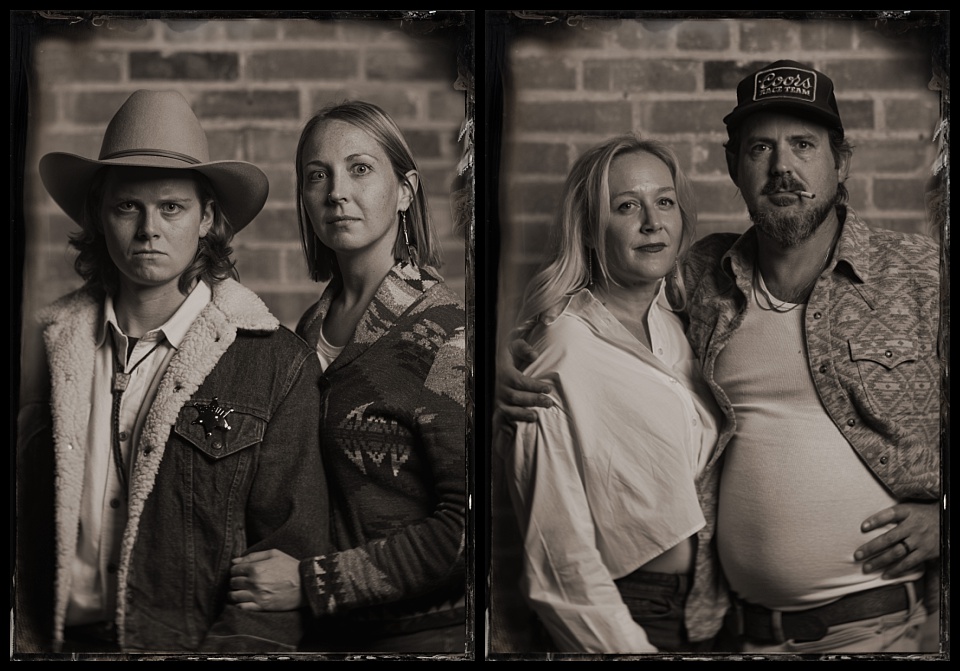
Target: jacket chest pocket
{"type": "Point", "coordinates": [887, 368]}
{"type": "Point", "coordinates": [219, 457]}
{"type": "Point", "coordinates": [217, 466]}
{"type": "Point", "coordinates": [216, 431]}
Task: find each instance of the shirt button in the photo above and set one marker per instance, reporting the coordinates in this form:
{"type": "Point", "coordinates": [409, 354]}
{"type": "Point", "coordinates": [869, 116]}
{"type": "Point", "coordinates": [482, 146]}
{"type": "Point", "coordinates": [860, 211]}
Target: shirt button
{"type": "Point", "coordinates": [123, 435]}
{"type": "Point", "coordinates": [659, 350]}
{"type": "Point", "coordinates": [888, 354]}
{"type": "Point", "coordinates": [817, 315]}
{"type": "Point", "coordinates": [694, 421]}
{"type": "Point", "coordinates": [823, 368]}
{"type": "Point", "coordinates": [851, 422]}
{"type": "Point", "coordinates": [217, 445]}
{"type": "Point", "coordinates": [883, 460]}
{"type": "Point", "coordinates": [114, 503]}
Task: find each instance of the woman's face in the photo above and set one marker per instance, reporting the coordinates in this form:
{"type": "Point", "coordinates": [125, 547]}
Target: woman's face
{"type": "Point", "coordinates": [351, 192]}
{"type": "Point", "coordinates": [644, 230]}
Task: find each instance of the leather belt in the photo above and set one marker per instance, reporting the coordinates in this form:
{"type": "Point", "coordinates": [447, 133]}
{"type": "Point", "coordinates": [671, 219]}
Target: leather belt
{"type": "Point", "coordinates": [762, 624]}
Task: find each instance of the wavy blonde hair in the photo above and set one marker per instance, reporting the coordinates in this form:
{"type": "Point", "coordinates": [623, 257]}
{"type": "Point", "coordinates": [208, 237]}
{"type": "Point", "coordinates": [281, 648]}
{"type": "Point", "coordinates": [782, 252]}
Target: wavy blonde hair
{"type": "Point", "coordinates": [581, 227]}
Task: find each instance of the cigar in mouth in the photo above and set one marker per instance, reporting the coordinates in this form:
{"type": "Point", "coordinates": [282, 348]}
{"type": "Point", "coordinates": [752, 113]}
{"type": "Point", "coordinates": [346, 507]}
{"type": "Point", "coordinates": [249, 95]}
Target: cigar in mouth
{"type": "Point", "coordinates": [805, 194]}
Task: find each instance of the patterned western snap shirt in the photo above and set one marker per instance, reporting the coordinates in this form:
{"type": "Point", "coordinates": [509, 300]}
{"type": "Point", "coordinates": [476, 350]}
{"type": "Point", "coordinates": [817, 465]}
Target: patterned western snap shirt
{"type": "Point", "coordinates": [871, 326]}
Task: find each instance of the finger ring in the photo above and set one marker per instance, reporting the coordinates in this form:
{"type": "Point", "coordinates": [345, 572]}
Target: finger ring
{"type": "Point", "coordinates": [906, 547]}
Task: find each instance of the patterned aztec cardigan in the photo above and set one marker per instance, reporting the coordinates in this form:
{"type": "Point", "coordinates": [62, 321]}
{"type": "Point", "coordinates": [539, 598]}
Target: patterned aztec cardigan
{"type": "Point", "coordinates": [393, 435]}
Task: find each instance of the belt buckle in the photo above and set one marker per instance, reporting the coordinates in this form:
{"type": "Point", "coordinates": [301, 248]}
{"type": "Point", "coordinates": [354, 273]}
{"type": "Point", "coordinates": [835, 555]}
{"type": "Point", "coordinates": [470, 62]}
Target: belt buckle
{"type": "Point", "coordinates": [805, 628]}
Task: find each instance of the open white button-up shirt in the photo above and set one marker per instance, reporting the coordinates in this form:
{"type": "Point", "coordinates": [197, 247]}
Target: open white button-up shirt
{"type": "Point", "coordinates": [603, 482]}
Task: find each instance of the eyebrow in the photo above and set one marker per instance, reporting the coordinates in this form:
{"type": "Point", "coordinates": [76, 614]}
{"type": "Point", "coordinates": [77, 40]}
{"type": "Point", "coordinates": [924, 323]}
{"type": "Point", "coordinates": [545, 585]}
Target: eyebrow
{"type": "Point", "coordinates": [792, 138]}
{"type": "Point", "coordinates": [662, 190]}
{"type": "Point", "coordinates": [351, 157]}
{"type": "Point", "coordinates": [123, 196]}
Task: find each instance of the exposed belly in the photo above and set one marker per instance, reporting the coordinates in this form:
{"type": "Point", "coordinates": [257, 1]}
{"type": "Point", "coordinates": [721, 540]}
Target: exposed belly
{"type": "Point", "coordinates": [789, 521]}
{"type": "Point", "coordinates": [678, 559]}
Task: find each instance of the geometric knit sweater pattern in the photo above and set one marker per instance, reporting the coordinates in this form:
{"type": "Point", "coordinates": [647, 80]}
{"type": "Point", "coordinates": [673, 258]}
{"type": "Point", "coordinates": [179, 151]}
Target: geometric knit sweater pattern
{"type": "Point", "coordinates": [393, 435]}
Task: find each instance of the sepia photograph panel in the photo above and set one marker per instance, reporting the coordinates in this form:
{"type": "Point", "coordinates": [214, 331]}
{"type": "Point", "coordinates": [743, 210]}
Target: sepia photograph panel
{"type": "Point", "coordinates": [243, 334]}
{"type": "Point", "coordinates": [718, 394]}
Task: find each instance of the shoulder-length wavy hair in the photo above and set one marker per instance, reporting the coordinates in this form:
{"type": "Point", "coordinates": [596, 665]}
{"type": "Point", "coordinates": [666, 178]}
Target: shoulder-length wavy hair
{"type": "Point", "coordinates": [213, 262]}
{"type": "Point", "coordinates": [581, 226]}
{"type": "Point", "coordinates": [321, 260]}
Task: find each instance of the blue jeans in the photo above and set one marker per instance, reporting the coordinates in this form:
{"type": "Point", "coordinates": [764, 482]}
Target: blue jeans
{"type": "Point", "coordinates": [656, 602]}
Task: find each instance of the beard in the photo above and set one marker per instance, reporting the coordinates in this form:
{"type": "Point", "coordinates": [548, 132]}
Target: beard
{"type": "Point", "coordinates": [788, 227]}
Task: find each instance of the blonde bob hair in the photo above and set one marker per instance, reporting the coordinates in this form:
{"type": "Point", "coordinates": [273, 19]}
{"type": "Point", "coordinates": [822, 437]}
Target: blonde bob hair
{"type": "Point", "coordinates": [581, 227]}
{"type": "Point", "coordinates": [321, 260]}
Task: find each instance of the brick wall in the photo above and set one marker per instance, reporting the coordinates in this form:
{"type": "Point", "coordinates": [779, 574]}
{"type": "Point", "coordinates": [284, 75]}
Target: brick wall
{"type": "Point", "coordinates": [252, 83]}
{"type": "Point", "coordinates": [571, 83]}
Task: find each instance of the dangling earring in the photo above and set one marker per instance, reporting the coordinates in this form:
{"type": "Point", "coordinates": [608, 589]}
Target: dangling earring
{"type": "Point", "coordinates": [411, 250]}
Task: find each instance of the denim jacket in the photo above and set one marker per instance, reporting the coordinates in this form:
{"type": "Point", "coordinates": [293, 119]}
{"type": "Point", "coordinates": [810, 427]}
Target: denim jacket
{"type": "Point", "coordinates": [872, 332]}
{"type": "Point", "coordinates": [196, 500]}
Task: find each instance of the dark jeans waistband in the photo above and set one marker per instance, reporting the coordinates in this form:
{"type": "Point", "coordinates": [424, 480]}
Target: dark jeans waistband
{"type": "Point", "coordinates": [670, 583]}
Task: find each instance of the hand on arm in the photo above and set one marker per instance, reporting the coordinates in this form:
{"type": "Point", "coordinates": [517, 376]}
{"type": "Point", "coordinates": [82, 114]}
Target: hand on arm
{"type": "Point", "coordinates": [268, 580]}
{"type": "Point", "coordinates": [913, 539]}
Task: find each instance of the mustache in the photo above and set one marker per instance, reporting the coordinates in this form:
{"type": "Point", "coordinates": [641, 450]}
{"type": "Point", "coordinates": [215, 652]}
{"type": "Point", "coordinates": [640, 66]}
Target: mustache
{"type": "Point", "coordinates": [781, 184]}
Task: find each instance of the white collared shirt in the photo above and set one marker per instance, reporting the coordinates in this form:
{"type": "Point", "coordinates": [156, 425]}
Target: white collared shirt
{"type": "Point", "coordinates": [603, 482]}
{"type": "Point", "coordinates": [103, 507]}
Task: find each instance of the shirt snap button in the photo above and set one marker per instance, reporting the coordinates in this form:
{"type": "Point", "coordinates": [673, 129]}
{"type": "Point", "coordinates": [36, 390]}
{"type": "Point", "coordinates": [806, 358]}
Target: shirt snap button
{"type": "Point", "coordinates": [217, 445]}
{"type": "Point", "coordinates": [888, 354]}
{"type": "Point", "coordinates": [851, 422]}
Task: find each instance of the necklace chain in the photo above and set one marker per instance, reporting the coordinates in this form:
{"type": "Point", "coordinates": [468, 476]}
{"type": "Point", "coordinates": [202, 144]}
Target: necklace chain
{"type": "Point", "coordinates": [771, 303]}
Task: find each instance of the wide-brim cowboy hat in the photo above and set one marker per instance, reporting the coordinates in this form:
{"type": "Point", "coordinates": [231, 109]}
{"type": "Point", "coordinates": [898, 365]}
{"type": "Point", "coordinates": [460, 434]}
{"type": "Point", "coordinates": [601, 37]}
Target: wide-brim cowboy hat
{"type": "Point", "coordinates": [157, 129]}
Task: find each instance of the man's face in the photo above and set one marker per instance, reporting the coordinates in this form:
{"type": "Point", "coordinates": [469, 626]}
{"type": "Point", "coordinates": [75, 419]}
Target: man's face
{"type": "Point", "coordinates": [781, 155]}
{"type": "Point", "coordinates": [152, 220]}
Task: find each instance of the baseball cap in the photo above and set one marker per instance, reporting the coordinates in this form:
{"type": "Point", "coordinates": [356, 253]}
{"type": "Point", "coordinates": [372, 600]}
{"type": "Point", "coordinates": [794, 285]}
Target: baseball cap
{"type": "Point", "coordinates": [790, 87]}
